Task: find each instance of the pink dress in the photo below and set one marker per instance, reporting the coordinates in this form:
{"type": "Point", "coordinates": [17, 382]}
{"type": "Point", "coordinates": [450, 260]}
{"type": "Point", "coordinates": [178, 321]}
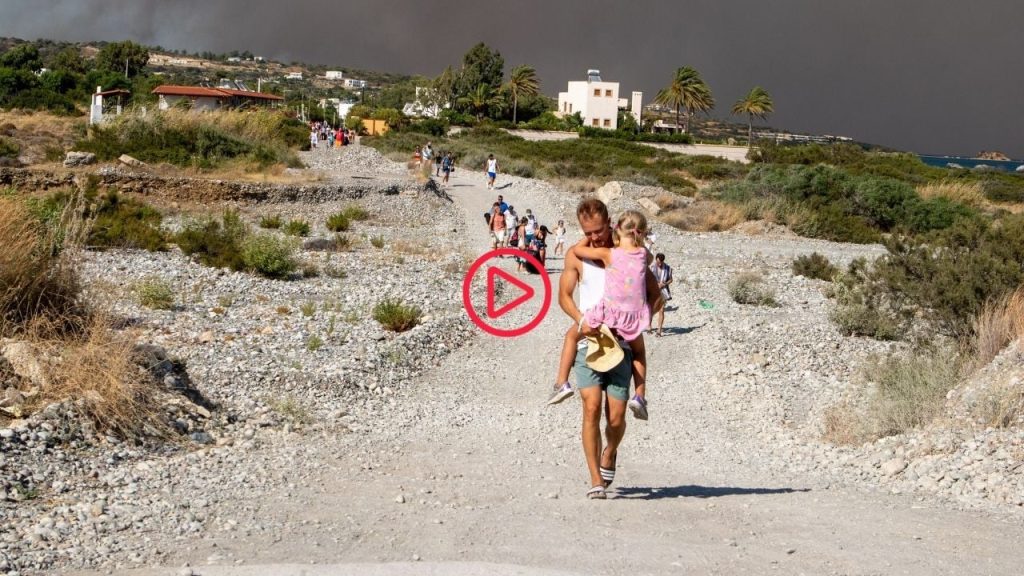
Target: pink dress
{"type": "Point", "coordinates": [623, 307]}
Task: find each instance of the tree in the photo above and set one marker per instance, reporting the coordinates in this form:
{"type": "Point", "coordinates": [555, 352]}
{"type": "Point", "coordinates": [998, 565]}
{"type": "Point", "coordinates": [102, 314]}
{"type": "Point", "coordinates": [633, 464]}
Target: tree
{"type": "Point", "coordinates": [480, 65]}
{"type": "Point", "coordinates": [443, 88]}
{"type": "Point", "coordinates": [521, 82]}
{"type": "Point", "coordinates": [22, 57]}
{"type": "Point", "coordinates": [480, 101]}
{"type": "Point", "coordinates": [69, 60]}
{"type": "Point", "coordinates": [124, 57]}
{"type": "Point", "coordinates": [686, 91]}
{"type": "Point", "coordinates": [757, 103]}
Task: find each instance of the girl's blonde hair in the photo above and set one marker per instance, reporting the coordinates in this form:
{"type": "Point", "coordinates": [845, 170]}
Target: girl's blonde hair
{"type": "Point", "coordinates": [634, 224]}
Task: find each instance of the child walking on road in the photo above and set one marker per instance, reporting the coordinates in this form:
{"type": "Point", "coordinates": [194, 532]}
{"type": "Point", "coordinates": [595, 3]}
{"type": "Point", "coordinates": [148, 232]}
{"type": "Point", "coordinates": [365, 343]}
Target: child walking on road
{"type": "Point", "coordinates": [623, 307]}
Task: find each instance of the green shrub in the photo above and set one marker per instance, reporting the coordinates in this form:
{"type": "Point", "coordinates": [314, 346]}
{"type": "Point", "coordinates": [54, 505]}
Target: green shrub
{"type": "Point", "coordinates": [395, 316]}
{"type": "Point", "coordinates": [9, 148]}
{"type": "Point", "coordinates": [122, 222]}
{"type": "Point", "coordinates": [750, 288]}
{"type": "Point", "coordinates": [815, 266]}
{"type": "Point", "coordinates": [308, 309]}
{"type": "Point", "coordinates": [271, 222]}
{"type": "Point", "coordinates": [310, 270]}
{"type": "Point", "coordinates": [356, 213]}
{"type": "Point", "coordinates": [338, 222]}
{"type": "Point", "coordinates": [215, 243]}
{"type": "Point", "coordinates": [941, 281]}
{"type": "Point", "coordinates": [377, 241]}
{"type": "Point", "coordinates": [297, 228]}
{"type": "Point", "coordinates": [156, 293]}
{"type": "Point", "coordinates": [270, 256]}
{"type": "Point", "coordinates": [314, 343]}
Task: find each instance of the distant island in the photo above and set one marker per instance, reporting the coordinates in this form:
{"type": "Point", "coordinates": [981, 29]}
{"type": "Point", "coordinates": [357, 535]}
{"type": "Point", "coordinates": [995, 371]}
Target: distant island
{"type": "Point", "coordinates": [983, 155]}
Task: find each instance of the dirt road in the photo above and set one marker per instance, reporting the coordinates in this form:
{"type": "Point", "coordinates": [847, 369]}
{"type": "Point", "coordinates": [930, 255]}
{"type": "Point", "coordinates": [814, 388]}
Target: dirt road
{"type": "Point", "coordinates": [480, 471]}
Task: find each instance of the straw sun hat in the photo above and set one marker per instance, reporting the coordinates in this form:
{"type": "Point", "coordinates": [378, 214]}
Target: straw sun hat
{"type": "Point", "coordinates": [603, 350]}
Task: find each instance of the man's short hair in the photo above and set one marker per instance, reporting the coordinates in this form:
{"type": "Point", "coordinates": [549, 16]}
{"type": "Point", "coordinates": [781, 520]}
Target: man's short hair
{"type": "Point", "coordinates": [591, 207]}
{"type": "Point", "coordinates": [660, 257]}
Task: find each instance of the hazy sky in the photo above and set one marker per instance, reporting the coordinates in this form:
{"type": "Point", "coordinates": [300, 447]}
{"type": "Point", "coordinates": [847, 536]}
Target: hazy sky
{"type": "Point", "coordinates": [932, 76]}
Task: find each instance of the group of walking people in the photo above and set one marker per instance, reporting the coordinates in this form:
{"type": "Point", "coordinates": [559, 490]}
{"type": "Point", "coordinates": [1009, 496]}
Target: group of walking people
{"type": "Point", "coordinates": [322, 132]}
{"type": "Point", "coordinates": [508, 229]}
{"type": "Point", "coordinates": [443, 161]}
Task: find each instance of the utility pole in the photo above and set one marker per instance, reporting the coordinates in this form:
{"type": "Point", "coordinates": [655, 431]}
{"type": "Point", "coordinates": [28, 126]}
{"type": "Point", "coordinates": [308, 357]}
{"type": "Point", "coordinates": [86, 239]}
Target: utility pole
{"type": "Point", "coordinates": [126, 67]}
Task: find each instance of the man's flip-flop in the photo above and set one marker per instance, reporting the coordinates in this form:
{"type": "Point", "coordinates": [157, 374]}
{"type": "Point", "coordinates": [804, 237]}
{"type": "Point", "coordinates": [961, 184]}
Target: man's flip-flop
{"type": "Point", "coordinates": [608, 474]}
{"type": "Point", "coordinates": [597, 493]}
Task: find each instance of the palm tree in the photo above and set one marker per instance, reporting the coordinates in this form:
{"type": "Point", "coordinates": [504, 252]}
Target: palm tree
{"type": "Point", "coordinates": [757, 103]}
{"type": "Point", "coordinates": [686, 91]}
{"type": "Point", "coordinates": [480, 100]}
{"type": "Point", "coordinates": [521, 82]}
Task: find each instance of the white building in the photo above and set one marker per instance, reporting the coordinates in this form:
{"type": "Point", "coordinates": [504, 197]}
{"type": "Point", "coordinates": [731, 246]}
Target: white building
{"type": "Point", "coordinates": [355, 84]}
{"type": "Point", "coordinates": [293, 76]}
{"type": "Point", "coordinates": [421, 107]}
{"type": "Point", "coordinates": [334, 75]}
{"type": "Point", "coordinates": [597, 101]}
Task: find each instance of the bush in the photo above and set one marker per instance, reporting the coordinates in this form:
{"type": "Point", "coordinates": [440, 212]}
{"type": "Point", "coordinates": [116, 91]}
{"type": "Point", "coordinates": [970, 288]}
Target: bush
{"type": "Point", "coordinates": [814, 266]}
{"type": "Point", "coordinates": [750, 288]}
{"type": "Point", "coordinates": [271, 222]}
{"type": "Point", "coordinates": [356, 213]}
{"type": "Point", "coordinates": [156, 293]}
{"type": "Point", "coordinates": [433, 126]}
{"type": "Point", "coordinates": [395, 316]}
{"type": "Point", "coordinates": [38, 278]}
{"type": "Point", "coordinates": [122, 222]}
{"type": "Point", "coordinates": [593, 132]}
{"type": "Point", "coordinates": [377, 241]}
{"type": "Point", "coordinates": [215, 243]}
{"type": "Point", "coordinates": [269, 255]}
{"type": "Point", "coordinates": [9, 148]}
{"type": "Point", "coordinates": [297, 228]}
{"type": "Point", "coordinates": [339, 243]}
{"type": "Point", "coordinates": [910, 390]}
{"type": "Point", "coordinates": [338, 222]}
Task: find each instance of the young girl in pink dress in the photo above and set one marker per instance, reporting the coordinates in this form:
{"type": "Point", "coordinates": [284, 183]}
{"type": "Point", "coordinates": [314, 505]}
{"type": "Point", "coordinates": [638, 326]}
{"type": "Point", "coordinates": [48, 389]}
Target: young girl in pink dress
{"type": "Point", "coordinates": [623, 306]}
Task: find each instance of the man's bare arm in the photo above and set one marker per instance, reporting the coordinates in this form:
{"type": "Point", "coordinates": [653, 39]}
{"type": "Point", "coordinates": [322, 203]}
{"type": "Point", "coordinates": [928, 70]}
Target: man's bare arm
{"type": "Point", "coordinates": [567, 285]}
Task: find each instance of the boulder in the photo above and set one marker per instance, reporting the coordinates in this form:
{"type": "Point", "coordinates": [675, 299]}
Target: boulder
{"type": "Point", "coordinates": [26, 361]}
{"type": "Point", "coordinates": [894, 466]}
{"type": "Point", "coordinates": [72, 159]}
{"type": "Point", "coordinates": [1020, 168]}
{"type": "Point", "coordinates": [129, 161]}
{"type": "Point", "coordinates": [610, 191]}
{"type": "Point", "coordinates": [649, 205]}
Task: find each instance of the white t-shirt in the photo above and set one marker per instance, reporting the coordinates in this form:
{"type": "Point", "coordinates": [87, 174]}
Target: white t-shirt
{"type": "Point", "coordinates": [492, 164]}
{"type": "Point", "coordinates": [531, 225]}
{"type": "Point", "coordinates": [510, 219]}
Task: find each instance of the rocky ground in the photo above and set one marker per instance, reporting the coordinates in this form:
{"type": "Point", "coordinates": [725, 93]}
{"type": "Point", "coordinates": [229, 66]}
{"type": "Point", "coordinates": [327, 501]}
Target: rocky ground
{"type": "Point", "coordinates": [433, 445]}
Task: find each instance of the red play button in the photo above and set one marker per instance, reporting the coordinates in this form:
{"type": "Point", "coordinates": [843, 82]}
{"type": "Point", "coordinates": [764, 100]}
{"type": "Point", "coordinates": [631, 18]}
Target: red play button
{"type": "Point", "coordinates": [493, 311]}
{"type": "Point", "coordinates": [494, 272]}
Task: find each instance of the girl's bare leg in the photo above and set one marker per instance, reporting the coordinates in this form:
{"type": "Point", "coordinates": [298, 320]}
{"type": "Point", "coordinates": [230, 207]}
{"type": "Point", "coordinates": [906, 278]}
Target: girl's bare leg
{"type": "Point", "coordinates": [639, 366]}
{"type": "Point", "coordinates": [572, 336]}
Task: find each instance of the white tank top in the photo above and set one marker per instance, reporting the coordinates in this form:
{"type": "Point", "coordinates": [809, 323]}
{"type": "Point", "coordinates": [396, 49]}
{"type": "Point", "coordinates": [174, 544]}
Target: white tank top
{"type": "Point", "coordinates": [591, 289]}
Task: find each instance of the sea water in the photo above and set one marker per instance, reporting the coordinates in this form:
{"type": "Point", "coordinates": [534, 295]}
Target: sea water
{"type": "Point", "coordinates": [945, 161]}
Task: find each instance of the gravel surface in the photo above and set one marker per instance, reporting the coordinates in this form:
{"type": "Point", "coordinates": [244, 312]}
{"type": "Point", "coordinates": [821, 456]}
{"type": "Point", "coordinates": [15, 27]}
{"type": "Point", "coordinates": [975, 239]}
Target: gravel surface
{"type": "Point", "coordinates": [434, 444]}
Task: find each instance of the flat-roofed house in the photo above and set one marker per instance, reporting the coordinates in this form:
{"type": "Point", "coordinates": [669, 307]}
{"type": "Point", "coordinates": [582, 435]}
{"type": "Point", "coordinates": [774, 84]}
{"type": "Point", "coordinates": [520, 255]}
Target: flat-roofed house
{"type": "Point", "coordinates": [596, 101]}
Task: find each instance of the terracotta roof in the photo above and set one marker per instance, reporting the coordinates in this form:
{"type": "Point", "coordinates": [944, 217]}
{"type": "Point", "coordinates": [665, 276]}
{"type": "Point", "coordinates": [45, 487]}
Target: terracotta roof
{"type": "Point", "coordinates": [200, 91]}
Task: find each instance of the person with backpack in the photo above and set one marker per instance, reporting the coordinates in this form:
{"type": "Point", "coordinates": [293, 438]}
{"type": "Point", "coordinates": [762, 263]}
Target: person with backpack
{"type": "Point", "coordinates": [447, 166]}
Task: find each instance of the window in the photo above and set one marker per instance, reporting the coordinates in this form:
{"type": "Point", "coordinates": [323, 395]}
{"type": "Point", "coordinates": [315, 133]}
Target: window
{"type": "Point", "coordinates": [594, 122]}
{"type": "Point", "coordinates": [607, 123]}
{"type": "Point", "coordinates": [608, 93]}
{"type": "Point", "coordinates": [597, 91]}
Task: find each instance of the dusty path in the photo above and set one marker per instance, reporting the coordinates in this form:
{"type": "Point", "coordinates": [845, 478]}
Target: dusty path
{"type": "Point", "coordinates": [481, 471]}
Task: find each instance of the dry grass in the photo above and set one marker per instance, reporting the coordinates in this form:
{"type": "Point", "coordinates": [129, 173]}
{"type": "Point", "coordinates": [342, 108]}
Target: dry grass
{"type": "Point", "coordinates": [843, 425]}
{"type": "Point", "coordinates": [404, 247]}
{"type": "Point", "coordinates": [910, 390]}
{"type": "Point", "coordinates": [667, 201]}
{"type": "Point", "coordinates": [40, 132]}
{"type": "Point", "coordinates": [98, 370]}
{"type": "Point", "coordinates": [998, 324]}
{"type": "Point", "coordinates": [577, 185]}
{"type": "Point", "coordinates": [1002, 406]}
{"type": "Point", "coordinates": [41, 305]}
{"type": "Point", "coordinates": [967, 193]}
{"type": "Point", "coordinates": [38, 280]}
{"type": "Point", "coordinates": [704, 216]}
